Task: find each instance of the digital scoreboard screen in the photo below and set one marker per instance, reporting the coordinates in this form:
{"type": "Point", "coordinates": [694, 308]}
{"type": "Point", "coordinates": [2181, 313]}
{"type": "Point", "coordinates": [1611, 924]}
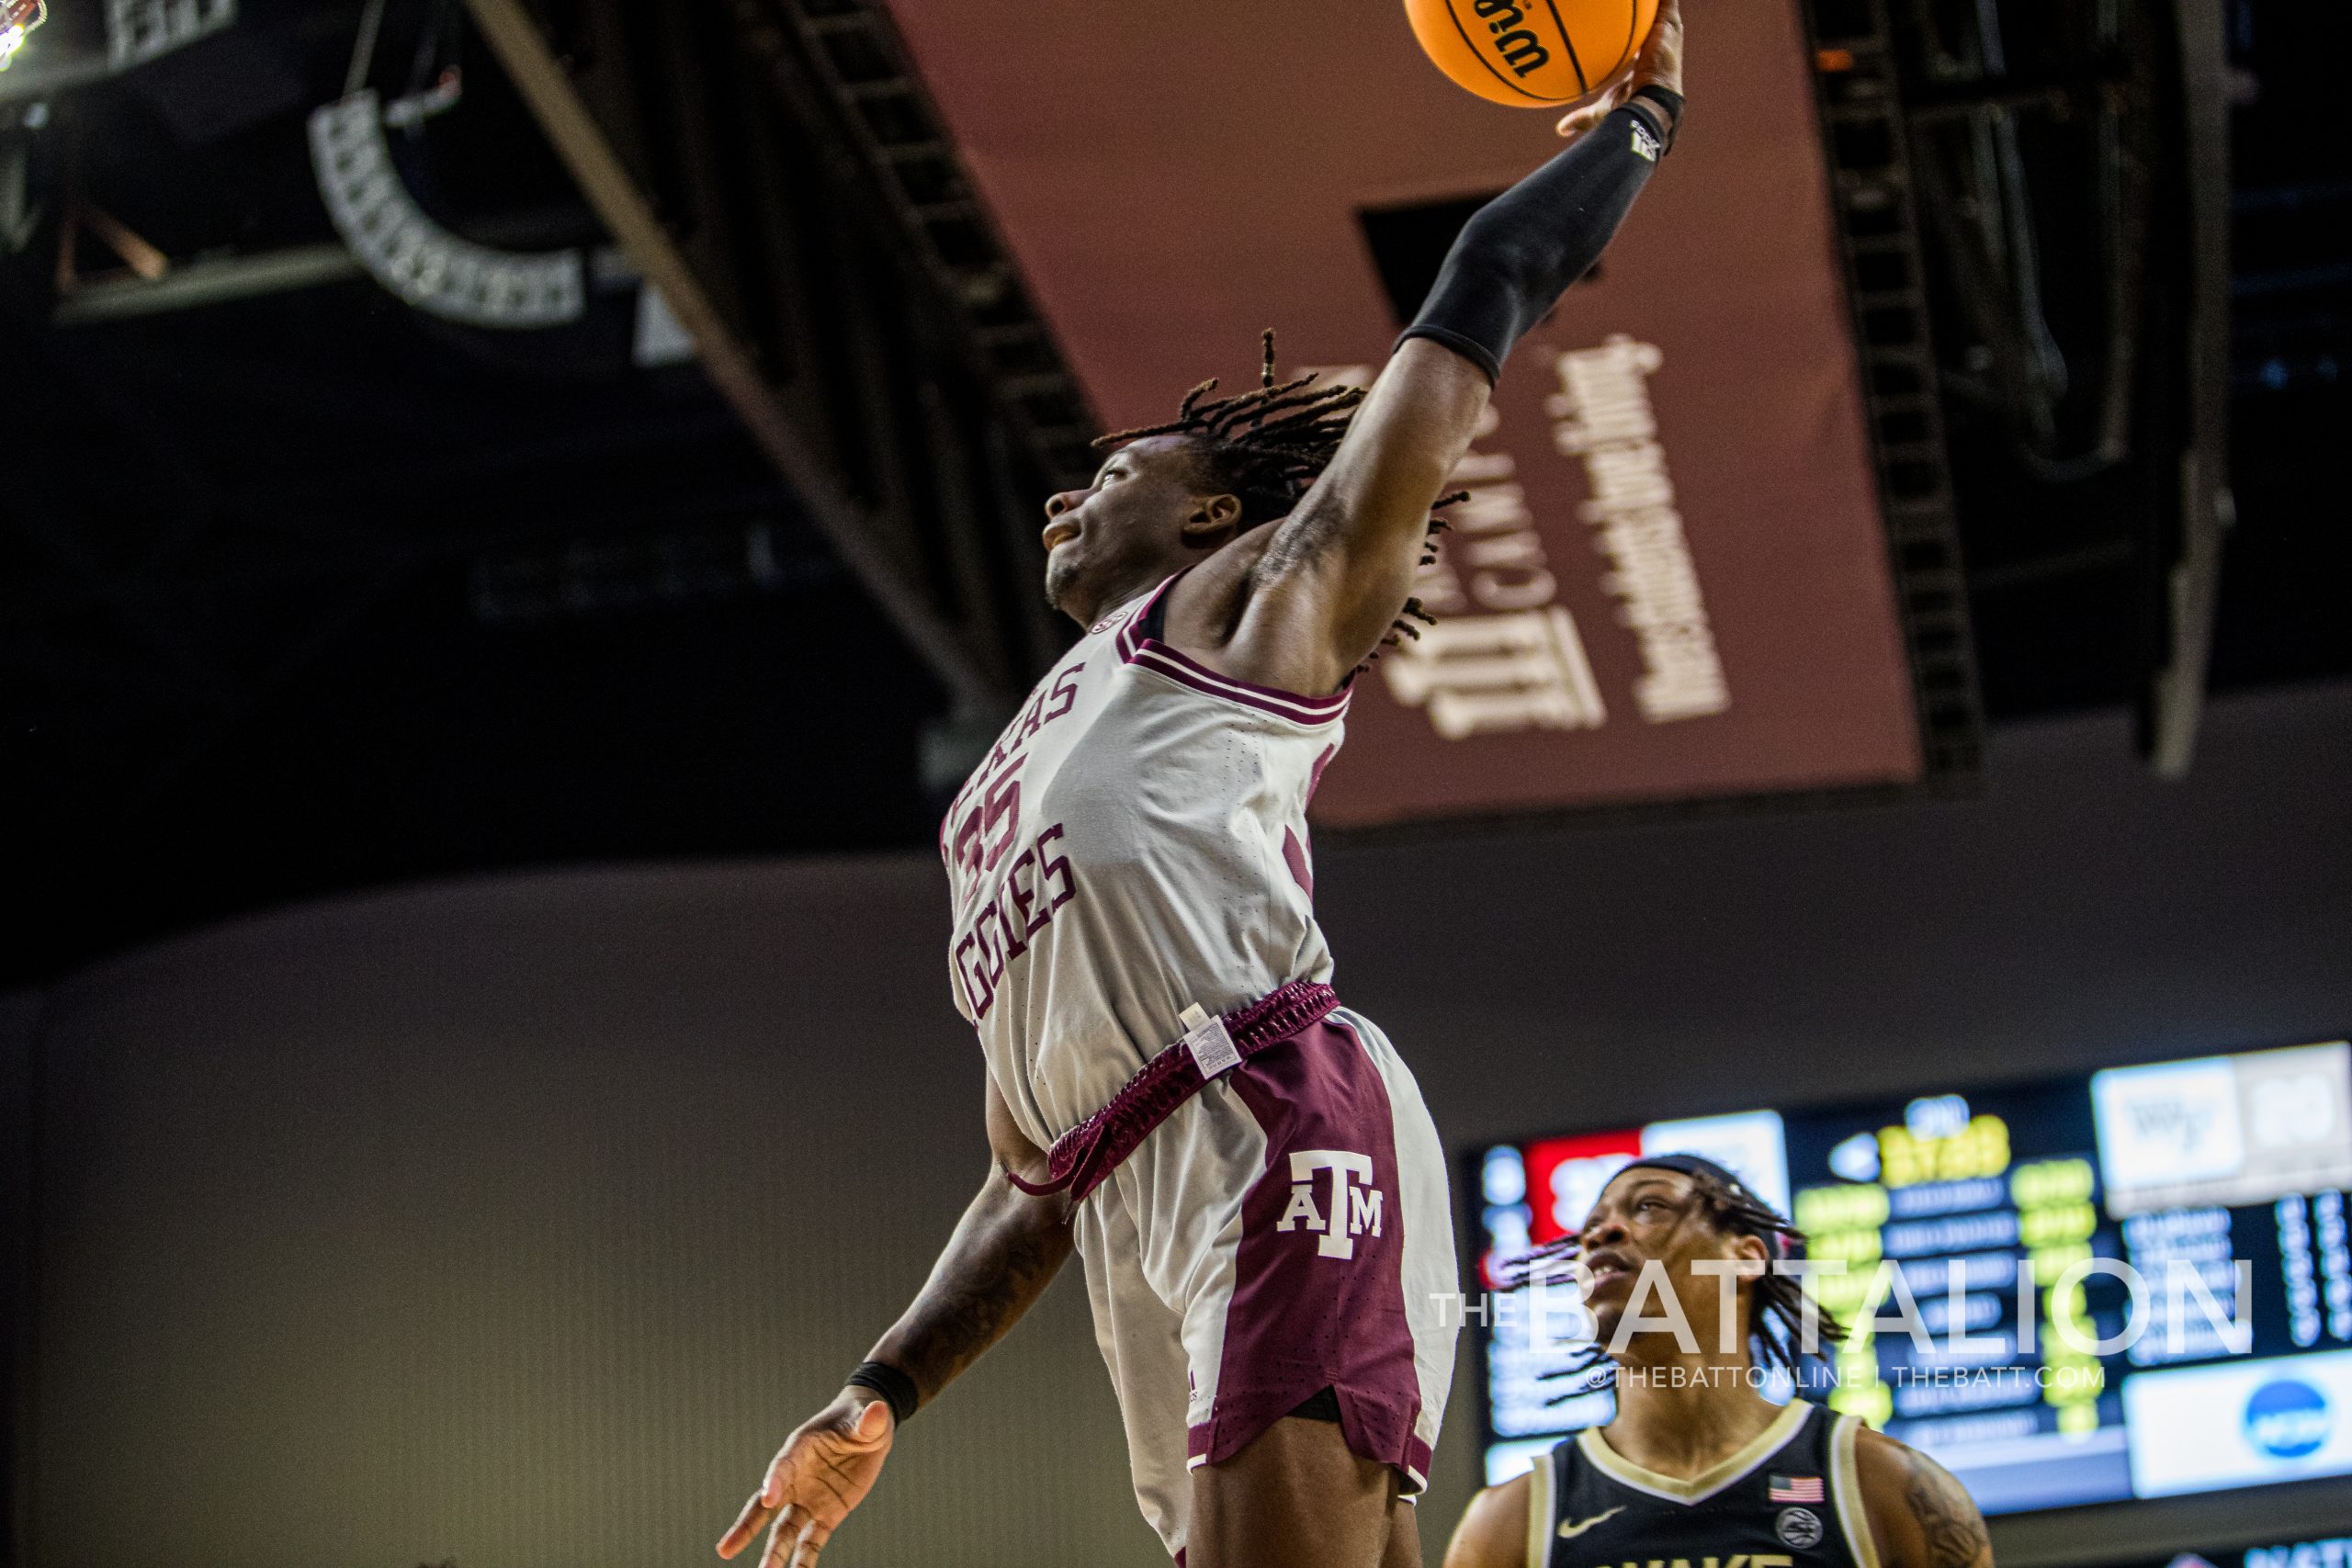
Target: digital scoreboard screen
{"type": "Point", "coordinates": [2334, 1552]}
{"type": "Point", "coordinates": [2136, 1284]}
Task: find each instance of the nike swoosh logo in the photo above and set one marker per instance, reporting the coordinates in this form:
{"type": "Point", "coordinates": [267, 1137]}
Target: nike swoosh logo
{"type": "Point", "coordinates": [1570, 1530]}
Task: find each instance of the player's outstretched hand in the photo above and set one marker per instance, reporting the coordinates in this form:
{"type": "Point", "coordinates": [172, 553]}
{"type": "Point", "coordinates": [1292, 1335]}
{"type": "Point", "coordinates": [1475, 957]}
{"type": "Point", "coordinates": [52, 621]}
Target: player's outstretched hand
{"type": "Point", "coordinates": [823, 1472]}
{"type": "Point", "coordinates": [1659, 63]}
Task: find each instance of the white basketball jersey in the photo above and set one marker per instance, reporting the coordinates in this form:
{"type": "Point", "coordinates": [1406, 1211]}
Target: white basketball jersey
{"type": "Point", "coordinates": [1135, 843]}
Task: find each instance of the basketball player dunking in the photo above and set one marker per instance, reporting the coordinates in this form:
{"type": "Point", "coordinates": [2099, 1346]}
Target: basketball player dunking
{"type": "Point", "coordinates": [1698, 1466]}
{"type": "Point", "coordinates": [1173, 1092]}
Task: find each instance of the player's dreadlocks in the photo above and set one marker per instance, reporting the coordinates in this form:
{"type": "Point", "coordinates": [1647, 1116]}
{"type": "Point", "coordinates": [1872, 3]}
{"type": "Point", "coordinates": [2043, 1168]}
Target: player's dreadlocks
{"type": "Point", "coordinates": [1777, 1308]}
{"type": "Point", "coordinates": [1268, 445]}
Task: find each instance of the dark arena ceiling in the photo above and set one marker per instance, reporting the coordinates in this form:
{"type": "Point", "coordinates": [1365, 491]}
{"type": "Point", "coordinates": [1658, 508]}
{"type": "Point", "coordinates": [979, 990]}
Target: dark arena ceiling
{"type": "Point", "coordinates": [304, 589]}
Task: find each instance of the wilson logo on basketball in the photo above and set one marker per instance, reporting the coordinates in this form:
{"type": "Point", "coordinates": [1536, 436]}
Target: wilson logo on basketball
{"type": "Point", "coordinates": [1531, 53]}
{"type": "Point", "coordinates": [1520, 50]}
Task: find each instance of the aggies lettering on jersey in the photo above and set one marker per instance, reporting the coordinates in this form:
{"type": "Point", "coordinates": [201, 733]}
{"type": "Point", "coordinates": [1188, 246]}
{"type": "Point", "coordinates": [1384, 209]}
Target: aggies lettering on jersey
{"type": "Point", "coordinates": [1790, 1499]}
{"type": "Point", "coordinates": [1134, 843]}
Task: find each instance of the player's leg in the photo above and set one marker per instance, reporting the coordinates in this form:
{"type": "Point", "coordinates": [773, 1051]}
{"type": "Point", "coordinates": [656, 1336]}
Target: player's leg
{"type": "Point", "coordinates": [1295, 1496]}
{"type": "Point", "coordinates": [1340, 1268]}
{"type": "Point", "coordinates": [1142, 1345]}
{"type": "Point", "coordinates": [1403, 1536]}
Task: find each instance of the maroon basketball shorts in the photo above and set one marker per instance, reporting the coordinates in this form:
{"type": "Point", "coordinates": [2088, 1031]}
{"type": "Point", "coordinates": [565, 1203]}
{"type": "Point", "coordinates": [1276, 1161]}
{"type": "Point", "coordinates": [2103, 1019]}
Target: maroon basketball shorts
{"type": "Point", "coordinates": [1286, 1229]}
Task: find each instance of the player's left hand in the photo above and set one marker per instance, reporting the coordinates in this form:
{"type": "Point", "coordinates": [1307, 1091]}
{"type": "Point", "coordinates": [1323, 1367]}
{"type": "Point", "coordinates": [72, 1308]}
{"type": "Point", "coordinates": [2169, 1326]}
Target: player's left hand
{"type": "Point", "coordinates": [1659, 63]}
{"type": "Point", "coordinates": [823, 1470]}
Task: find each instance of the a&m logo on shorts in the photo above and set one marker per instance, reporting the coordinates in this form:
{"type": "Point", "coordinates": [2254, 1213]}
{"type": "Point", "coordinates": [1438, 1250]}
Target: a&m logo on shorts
{"type": "Point", "coordinates": [1349, 1210]}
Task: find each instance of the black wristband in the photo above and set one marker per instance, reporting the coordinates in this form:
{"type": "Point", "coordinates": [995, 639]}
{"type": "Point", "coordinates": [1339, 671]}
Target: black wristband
{"type": "Point", "coordinates": [1669, 100]}
{"type": "Point", "coordinates": [897, 1389]}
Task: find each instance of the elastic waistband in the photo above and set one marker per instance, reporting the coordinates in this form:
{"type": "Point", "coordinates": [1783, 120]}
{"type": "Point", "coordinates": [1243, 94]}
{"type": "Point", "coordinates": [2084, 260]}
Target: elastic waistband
{"type": "Point", "coordinates": [1088, 1152]}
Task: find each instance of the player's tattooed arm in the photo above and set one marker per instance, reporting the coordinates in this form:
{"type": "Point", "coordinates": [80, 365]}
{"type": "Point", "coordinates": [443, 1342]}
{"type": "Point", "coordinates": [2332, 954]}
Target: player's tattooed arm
{"type": "Point", "coordinates": [1950, 1524]}
{"type": "Point", "coordinates": [1919, 1516]}
{"type": "Point", "coordinates": [1334, 577]}
{"type": "Point", "coordinates": [1336, 573]}
{"type": "Point", "coordinates": [1004, 1252]}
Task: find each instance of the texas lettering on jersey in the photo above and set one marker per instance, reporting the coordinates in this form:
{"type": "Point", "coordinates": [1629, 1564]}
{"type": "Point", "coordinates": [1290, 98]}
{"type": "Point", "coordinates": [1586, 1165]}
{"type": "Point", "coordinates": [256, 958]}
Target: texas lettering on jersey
{"type": "Point", "coordinates": [981, 829]}
{"type": "Point", "coordinates": [1134, 789]}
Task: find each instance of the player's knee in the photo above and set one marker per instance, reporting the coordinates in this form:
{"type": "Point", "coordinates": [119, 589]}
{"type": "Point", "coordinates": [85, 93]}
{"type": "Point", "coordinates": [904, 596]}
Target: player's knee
{"type": "Point", "coordinates": [1296, 1497]}
{"type": "Point", "coordinates": [1299, 1464]}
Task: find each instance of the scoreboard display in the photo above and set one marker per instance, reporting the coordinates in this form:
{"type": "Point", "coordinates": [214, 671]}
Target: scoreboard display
{"type": "Point", "coordinates": [2327, 1553]}
{"type": "Point", "coordinates": [2136, 1284]}
{"type": "Point", "coordinates": [2333, 1551]}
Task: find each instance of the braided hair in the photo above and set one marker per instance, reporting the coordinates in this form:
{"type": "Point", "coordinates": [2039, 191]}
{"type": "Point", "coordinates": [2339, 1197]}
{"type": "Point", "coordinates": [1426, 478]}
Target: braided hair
{"type": "Point", "coordinates": [1778, 1307]}
{"type": "Point", "coordinates": [1268, 445]}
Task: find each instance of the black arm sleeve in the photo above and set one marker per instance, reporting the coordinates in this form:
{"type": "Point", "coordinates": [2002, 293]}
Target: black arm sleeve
{"type": "Point", "coordinates": [1518, 255]}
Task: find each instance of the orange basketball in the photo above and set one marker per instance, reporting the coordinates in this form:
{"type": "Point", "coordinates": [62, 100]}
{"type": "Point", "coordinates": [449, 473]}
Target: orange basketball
{"type": "Point", "coordinates": [1545, 54]}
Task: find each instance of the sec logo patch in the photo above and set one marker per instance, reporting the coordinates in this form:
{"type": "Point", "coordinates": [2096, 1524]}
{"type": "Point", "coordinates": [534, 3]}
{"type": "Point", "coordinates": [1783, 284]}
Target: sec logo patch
{"type": "Point", "coordinates": [1799, 1527]}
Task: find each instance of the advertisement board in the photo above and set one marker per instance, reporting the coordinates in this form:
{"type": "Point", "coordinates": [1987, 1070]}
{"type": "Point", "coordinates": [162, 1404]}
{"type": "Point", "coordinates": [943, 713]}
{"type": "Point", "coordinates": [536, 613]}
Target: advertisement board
{"type": "Point", "coordinates": [1672, 579]}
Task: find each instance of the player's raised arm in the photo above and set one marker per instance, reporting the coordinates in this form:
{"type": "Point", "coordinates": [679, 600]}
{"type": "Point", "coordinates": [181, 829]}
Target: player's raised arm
{"type": "Point", "coordinates": [1920, 1516]}
{"type": "Point", "coordinates": [1335, 574]}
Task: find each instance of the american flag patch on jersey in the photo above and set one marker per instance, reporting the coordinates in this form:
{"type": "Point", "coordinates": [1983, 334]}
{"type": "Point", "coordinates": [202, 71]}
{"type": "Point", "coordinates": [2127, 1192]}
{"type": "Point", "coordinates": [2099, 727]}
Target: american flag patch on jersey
{"type": "Point", "coordinates": [1795, 1489]}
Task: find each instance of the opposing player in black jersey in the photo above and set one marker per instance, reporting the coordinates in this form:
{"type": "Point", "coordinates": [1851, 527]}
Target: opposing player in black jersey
{"type": "Point", "coordinates": [1698, 1466]}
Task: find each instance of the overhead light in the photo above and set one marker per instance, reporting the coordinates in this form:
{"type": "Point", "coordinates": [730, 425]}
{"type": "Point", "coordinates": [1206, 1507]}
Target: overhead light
{"type": "Point", "coordinates": [415, 257]}
{"type": "Point", "coordinates": [142, 30]}
{"type": "Point", "coordinates": [18, 18]}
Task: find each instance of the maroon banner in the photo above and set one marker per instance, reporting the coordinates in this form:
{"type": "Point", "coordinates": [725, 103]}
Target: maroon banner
{"type": "Point", "coordinates": [1671, 582]}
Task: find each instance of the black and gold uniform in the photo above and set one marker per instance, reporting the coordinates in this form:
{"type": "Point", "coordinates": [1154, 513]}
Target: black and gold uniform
{"type": "Point", "coordinates": [1790, 1499]}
